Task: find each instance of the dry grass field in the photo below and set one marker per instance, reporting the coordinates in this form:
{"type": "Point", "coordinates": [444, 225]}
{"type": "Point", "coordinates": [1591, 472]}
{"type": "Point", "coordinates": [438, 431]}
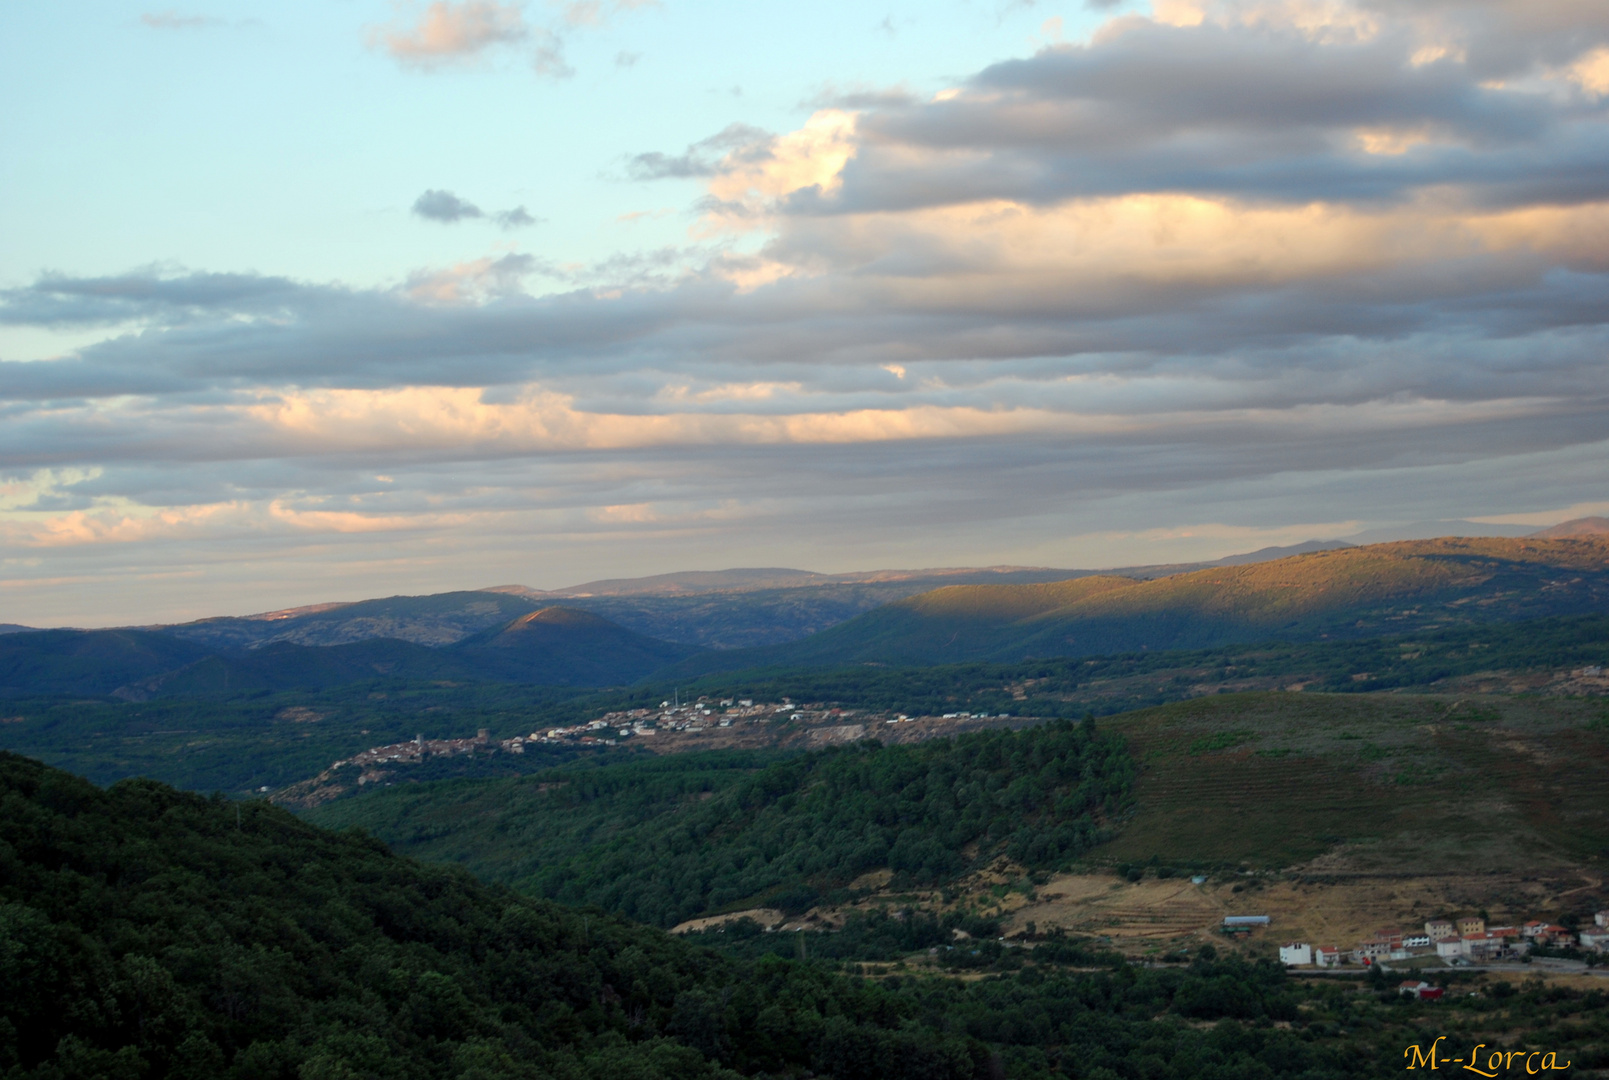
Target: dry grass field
{"type": "Point", "coordinates": [1152, 916]}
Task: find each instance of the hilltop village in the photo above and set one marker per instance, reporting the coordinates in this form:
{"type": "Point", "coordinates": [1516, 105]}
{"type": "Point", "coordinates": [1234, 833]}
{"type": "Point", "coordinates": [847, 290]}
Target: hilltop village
{"type": "Point", "coordinates": [673, 727]}
{"type": "Point", "coordinates": [706, 715]}
{"type": "Point", "coordinates": [726, 720]}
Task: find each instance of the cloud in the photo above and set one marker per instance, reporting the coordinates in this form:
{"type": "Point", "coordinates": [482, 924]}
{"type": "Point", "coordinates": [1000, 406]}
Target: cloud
{"type": "Point", "coordinates": [173, 20]}
{"type": "Point", "coordinates": [864, 96]}
{"type": "Point", "coordinates": [449, 34]}
{"type": "Point", "coordinates": [445, 207]}
{"type": "Point", "coordinates": [516, 218]}
{"type": "Point", "coordinates": [627, 59]}
{"type": "Point", "coordinates": [1229, 267]}
{"type": "Point", "coordinates": [474, 282]}
{"type": "Point", "coordinates": [702, 158]}
{"type": "Point", "coordinates": [449, 209]}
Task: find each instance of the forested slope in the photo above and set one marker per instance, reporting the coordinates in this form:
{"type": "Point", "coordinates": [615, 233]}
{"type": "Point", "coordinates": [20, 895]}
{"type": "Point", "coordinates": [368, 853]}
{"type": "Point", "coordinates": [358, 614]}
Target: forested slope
{"type": "Point", "coordinates": [147, 934]}
{"type": "Point", "coordinates": [666, 839]}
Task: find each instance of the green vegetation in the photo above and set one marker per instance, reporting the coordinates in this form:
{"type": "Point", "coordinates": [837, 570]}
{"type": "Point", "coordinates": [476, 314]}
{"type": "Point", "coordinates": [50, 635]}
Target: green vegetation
{"type": "Point", "coordinates": [1122, 682]}
{"type": "Point", "coordinates": [1437, 783]}
{"type": "Point", "coordinates": [268, 740]}
{"type": "Point", "coordinates": [147, 933]}
{"type": "Point", "coordinates": [668, 839]}
{"type": "Point", "coordinates": [1266, 780]}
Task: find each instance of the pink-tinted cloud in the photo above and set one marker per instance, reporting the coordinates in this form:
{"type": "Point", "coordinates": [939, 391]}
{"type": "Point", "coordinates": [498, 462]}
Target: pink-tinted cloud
{"type": "Point", "coordinates": [448, 33]}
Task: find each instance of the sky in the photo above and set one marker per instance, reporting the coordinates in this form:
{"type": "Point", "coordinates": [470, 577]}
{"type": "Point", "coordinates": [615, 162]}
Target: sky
{"type": "Point", "coordinates": [304, 302]}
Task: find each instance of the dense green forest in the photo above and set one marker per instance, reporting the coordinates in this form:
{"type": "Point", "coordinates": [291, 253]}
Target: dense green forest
{"type": "Point", "coordinates": [664, 839]}
{"type": "Point", "coordinates": [148, 933]}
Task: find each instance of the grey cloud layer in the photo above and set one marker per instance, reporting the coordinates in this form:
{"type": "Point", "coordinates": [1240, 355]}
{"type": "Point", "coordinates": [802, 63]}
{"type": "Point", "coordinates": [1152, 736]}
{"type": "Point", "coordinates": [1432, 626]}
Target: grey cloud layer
{"type": "Point", "coordinates": [209, 332]}
{"type": "Point", "coordinates": [1256, 113]}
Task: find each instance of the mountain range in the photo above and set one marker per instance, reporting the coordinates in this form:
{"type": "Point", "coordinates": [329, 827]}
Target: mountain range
{"type": "Point", "coordinates": [1354, 592]}
{"type": "Point", "coordinates": [510, 634]}
{"type": "Point", "coordinates": [555, 646]}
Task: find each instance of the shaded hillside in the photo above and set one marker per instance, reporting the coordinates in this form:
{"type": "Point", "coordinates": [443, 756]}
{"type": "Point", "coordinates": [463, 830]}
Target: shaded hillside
{"type": "Point", "coordinates": [554, 646]}
{"type": "Point", "coordinates": [285, 666]}
{"type": "Point", "coordinates": [439, 619]}
{"type": "Point", "coordinates": [148, 932]}
{"type": "Point", "coordinates": [87, 662]}
{"type": "Point", "coordinates": [1353, 593]}
{"type": "Point", "coordinates": [749, 619]}
{"type": "Point", "coordinates": [564, 646]}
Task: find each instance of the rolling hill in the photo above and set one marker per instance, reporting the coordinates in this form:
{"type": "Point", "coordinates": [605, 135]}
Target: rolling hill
{"type": "Point", "coordinates": [552, 646]}
{"type": "Point", "coordinates": [1382, 589]}
{"type": "Point", "coordinates": [436, 620]}
{"type": "Point", "coordinates": [87, 662]}
{"type": "Point", "coordinates": [565, 646]}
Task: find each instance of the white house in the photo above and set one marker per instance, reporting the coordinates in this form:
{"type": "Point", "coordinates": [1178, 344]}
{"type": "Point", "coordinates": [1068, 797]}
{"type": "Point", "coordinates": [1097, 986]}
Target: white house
{"type": "Point", "coordinates": [1294, 954]}
{"type": "Point", "coordinates": [1447, 948]}
{"type": "Point", "coordinates": [1327, 956]}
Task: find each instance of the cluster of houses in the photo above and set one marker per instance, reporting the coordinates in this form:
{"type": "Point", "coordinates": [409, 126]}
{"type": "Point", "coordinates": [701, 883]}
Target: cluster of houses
{"type": "Point", "coordinates": [1465, 940]}
{"type": "Point", "coordinates": [609, 729]}
{"type": "Point", "coordinates": [701, 715]}
{"type": "Point", "coordinates": [670, 716]}
{"type": "Point", "coordinates": [417, 750]}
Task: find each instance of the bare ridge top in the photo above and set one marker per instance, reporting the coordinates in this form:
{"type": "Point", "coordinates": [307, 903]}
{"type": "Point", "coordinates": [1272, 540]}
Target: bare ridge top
{"type": "Point", "coordinates": [1575, 528]}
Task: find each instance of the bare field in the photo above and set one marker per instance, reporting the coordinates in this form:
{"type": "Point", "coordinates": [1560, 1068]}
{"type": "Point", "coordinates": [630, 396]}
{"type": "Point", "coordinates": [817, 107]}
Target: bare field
{"type": "Point", "coordinates": [1153, 915]}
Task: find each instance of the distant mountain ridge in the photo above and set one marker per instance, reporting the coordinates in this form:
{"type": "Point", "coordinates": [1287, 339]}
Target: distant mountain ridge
{"type": "Point", "coordinates": [435, 620]}
{"type": "Point", "coordinates": [1577, 527]}
{"type": "Point", "coordinates": [552, 646]}
{"type": "Point", "coordinates": [1331, 590]}
{"type": "Point", "coordinates": [1346, 592]}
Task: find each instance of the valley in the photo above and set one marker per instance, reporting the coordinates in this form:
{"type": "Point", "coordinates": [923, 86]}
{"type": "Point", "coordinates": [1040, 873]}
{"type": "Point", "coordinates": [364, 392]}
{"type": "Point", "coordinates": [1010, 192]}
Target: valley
{"type": "Point", "coordinates": [1358, 738]}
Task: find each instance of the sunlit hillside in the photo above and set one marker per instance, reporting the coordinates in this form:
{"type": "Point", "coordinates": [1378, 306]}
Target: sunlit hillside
{"type": "Point", "coordinates": [1352, 592]}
